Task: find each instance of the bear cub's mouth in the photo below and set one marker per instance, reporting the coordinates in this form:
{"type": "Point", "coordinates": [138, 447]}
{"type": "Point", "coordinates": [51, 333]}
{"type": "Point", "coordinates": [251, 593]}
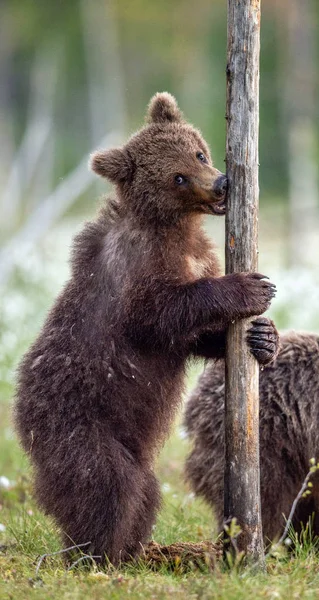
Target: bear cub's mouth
{"type": "Point", "coordinates": [218, 208]}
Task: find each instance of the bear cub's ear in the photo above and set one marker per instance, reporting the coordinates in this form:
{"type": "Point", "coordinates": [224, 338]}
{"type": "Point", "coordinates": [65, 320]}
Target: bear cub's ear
{"type": "Point", "coordinates": [163, 109]}
{"type": "Point", "coordinates": [115, 164]}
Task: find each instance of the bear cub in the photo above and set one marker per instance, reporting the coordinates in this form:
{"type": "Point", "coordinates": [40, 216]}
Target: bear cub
{"type": "Point", "coordinates": [98, 389]}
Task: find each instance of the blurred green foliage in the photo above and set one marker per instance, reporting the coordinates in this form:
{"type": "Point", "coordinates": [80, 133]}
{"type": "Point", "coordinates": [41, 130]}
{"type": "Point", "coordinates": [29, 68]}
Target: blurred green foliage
{"type": "Point", "coordinates": [180, 47]}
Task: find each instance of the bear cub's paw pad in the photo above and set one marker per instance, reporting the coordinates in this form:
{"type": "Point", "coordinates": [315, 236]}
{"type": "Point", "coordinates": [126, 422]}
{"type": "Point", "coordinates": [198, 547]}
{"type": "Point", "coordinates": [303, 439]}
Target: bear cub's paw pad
{"type": "Point", "coordinates": [263, 340]}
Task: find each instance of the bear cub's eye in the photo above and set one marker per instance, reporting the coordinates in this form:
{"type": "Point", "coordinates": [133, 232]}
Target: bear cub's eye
{"type": "Point", "coordinates": [201, 157]}
{"type": "Point", "coordinates": [179, 179]}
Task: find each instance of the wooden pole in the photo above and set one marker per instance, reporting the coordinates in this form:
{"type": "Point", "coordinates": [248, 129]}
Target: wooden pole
{"type": "Point", "coordinates": [242, 487]}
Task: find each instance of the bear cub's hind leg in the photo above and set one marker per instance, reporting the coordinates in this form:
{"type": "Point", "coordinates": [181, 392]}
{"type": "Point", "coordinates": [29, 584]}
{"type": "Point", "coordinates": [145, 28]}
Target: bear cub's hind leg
{"type": "Point", "coordinates": [144, 518]}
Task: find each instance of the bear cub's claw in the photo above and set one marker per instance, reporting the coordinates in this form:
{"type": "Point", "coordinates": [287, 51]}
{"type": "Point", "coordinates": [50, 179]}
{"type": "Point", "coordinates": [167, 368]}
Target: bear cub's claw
{"type": "Point", "coordinates": [263, 340]}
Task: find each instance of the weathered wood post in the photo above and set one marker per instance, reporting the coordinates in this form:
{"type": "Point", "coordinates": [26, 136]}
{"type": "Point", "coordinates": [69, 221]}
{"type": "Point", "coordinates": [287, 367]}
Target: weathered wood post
{"type": "Point", "coordinates": [242, 487]}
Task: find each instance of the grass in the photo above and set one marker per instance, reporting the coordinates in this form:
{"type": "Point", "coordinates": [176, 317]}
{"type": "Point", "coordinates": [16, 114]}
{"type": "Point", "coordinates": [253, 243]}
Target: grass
{"type": "Point", "coordinates": [27, 533]}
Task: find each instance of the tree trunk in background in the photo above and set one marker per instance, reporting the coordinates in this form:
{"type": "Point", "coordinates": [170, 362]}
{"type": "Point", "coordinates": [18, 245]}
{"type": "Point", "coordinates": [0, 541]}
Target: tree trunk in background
{"type": "Point", "coordinates": [301, 107]}
{"type": "Point", "coordinates": [242, 487]}
{"type": "Point", "coordinates": [18, 196]}
{"type": "Point", "coordinates": [106, 86]}
{"type": "Point", "coordinates": [105, 76]}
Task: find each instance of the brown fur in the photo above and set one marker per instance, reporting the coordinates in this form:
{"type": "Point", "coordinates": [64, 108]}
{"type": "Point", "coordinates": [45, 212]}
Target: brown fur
{"type": "Point", "coordinates": [289, 434]}
{"type": "Point", "coordinates": [98, 389]}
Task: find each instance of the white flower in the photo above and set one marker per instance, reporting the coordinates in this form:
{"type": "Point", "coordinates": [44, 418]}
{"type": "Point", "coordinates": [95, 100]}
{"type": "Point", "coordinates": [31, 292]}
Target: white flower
{"type": "Point", "coordinates": [182, 433]}
{"type": "Point", "coordinates": [4, 483]}
{"type": "Point", "coordinates": [166, 487]}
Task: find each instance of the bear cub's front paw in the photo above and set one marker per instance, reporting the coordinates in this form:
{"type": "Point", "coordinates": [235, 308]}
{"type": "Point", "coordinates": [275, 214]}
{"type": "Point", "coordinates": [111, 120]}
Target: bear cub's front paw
{"type": "Point", "coordinates": [263, 340]}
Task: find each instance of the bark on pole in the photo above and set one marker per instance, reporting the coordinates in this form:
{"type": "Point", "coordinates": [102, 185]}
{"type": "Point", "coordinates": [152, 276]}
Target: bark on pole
{"type": "Point", "coordinates": [242, 478]}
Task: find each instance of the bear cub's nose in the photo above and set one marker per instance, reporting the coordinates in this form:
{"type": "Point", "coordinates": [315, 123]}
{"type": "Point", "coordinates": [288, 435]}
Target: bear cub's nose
{"type": "Point", "coordinates": [220, 186]}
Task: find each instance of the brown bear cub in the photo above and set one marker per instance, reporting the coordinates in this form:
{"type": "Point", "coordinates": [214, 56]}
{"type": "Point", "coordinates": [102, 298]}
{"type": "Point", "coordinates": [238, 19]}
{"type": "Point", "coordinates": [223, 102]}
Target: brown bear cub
{"type": "Point", "coordinates": [98, 389]}
{"type": "Point", "coordinates": [289, 435]}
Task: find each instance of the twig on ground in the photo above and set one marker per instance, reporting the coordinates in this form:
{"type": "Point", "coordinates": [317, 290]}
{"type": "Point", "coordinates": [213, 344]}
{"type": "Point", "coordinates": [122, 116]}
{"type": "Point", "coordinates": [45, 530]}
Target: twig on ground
{"type": "Point", "coordinates": [85, 556]}
{"type": "Point", "coordinates": [304, 488]}
{"type": "Point", "coordinates": [44, 556]}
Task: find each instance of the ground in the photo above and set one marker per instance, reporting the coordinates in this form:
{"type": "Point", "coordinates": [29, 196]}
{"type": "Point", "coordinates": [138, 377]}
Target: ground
{"type": "Point", "coordinates": [182, 518]}
{"type": "Point", "coordinates": [25, 533]}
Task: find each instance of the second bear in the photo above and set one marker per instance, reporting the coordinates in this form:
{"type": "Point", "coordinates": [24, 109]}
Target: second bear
{"type": "Point", "coordinates": [289, 435]}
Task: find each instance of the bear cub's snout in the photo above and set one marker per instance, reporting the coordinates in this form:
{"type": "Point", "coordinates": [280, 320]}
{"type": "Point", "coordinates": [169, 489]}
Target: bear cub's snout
{"type": "Point", "coordinates": [220, 186]}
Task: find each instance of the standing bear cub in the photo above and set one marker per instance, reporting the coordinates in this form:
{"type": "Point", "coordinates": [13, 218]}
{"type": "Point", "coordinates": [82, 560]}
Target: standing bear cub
{"type": "Point", "coordinates": [98, 389]}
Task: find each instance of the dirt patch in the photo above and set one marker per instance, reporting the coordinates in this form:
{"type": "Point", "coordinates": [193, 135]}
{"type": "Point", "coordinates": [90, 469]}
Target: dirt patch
{"type": "Point", "coordinates": [182, 555]}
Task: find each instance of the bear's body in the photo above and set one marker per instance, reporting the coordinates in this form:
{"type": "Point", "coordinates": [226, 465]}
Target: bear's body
{"type": "Point", "coordinates": [289, 434]}
{"type": "Point", "coordinates": [98, 389]}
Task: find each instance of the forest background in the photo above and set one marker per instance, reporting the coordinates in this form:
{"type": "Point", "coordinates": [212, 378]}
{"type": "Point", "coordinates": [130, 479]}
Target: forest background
{"type": "Point", "coordinates": [78, 75]}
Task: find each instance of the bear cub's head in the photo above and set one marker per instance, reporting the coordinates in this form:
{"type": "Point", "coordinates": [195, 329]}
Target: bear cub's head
{"type": "Point", "coordinates": [165, 171]}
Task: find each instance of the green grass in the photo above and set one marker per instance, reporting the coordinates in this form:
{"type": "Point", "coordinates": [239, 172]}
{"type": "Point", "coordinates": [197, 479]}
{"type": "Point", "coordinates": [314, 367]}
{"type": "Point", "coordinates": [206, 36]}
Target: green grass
{"type": "Point", "coordinates": [29, 534]}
